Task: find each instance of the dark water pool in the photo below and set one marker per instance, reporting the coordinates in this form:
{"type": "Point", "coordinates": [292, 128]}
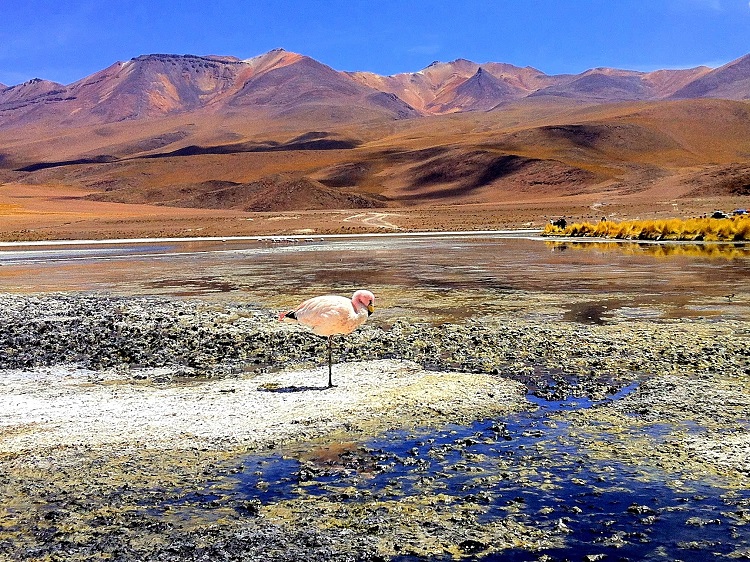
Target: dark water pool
{"type": "Point", "coordinates": [529, 467]}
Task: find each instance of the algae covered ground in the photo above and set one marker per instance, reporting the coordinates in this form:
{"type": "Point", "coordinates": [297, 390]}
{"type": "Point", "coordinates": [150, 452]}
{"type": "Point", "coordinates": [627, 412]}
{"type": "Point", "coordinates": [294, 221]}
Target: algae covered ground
{"type": "Point", "coordinates": [143, 428]}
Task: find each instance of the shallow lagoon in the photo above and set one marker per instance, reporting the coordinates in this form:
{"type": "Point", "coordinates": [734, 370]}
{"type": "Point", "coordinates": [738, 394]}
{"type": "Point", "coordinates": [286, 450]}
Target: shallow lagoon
{"type": "Point", "coordinates": [526, 467]}
{"type": "Point", "coordinates": [434, 277]}
{"type": "Point", "coordinates": [535, 466]}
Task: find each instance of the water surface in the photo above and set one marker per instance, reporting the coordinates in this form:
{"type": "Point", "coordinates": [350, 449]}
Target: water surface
{"type": "Point", "coordinates": [436, 277]}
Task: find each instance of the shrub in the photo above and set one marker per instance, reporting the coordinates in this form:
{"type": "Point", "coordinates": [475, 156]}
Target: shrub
{"type": "Point", "coordinates": [732, 229]}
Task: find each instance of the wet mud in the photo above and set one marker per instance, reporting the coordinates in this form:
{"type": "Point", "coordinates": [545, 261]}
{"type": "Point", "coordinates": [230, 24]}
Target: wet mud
{"type": "Point", "coordinates": [631, 443]}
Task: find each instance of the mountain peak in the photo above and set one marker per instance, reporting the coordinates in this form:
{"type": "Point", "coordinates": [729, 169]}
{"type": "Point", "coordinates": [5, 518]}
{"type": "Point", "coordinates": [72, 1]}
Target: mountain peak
{"type": "Point", "coordinates": [273, 58]}
{"type": "Point", "coordinates": [34, 89]}
{"type": "Point", "coordinates": [479, 91]}
{"type": "Point", "coordinates": [283, 81]}
{"type": "Point", "coordinates": [163, 56]}
{"type": "Point", "coordinates": [731, 81]}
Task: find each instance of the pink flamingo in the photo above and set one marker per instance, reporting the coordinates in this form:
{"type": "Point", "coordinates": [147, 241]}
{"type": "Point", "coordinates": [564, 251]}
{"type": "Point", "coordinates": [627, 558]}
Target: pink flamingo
{"type": "Point", "coordinates": [330, 315]}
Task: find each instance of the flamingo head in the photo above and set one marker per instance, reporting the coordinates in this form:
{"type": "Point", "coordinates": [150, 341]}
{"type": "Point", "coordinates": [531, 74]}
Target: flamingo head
{"type": "Point", "coordinates": [364, 299]}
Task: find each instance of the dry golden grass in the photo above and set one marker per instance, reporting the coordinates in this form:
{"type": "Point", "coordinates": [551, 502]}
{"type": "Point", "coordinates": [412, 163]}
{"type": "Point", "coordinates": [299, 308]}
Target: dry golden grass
{"type": "Point", "coordinates": [6, 209]}
{"type": "Point", "coordinates": [733, 229]}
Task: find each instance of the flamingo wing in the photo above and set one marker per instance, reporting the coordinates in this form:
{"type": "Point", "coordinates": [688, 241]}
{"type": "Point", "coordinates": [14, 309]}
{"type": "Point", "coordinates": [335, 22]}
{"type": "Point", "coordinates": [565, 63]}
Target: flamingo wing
{"type": "Point", "coordinates": [327, 315]}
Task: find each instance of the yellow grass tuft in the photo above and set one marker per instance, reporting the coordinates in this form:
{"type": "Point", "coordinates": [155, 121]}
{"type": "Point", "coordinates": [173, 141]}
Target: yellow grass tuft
{"type": "Point", "coordinates": [732, 229]}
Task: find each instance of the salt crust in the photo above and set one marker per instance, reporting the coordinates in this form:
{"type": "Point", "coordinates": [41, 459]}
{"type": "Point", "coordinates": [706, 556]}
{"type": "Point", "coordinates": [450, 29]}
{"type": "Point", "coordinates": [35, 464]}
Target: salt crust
{"type": "Point", "coordinates": [58, 406]}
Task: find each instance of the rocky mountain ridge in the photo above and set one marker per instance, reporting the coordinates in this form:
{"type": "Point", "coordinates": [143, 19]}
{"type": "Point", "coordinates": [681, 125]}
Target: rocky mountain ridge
{"type": "Point", "coordinates": [283, 84]}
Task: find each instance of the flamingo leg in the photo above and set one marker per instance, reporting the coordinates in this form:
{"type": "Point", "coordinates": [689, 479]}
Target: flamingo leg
{"type": "Point", "coordinates": [330, 378]}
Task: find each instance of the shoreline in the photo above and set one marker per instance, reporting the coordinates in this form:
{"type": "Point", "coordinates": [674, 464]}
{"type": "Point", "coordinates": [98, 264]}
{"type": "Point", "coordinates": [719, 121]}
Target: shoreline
{"type": "Point", "coordinates": [265, 237]}
{"type": "Point", "coordinates": [531, 234]}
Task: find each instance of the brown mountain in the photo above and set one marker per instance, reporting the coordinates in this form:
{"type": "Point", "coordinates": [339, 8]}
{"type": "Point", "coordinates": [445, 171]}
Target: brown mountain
{"type": "Point", "coordinates": [301, 85]}
{"type": "Point", "coordinates": [663, 83]}
{"type": "Point", "coordinates": [435, 89]}
{"type": "Point", "coordinates": [601, 85]}
{"type": "Point", "coordinates": [30, 90]}
{"type": "Point", "coordinates": [28, 98]}
{"type": "Point", "coordinates": [283, 132]}
{"type": "Point", "coordinates": [280, 83]}
{"type": "Point", "coordinates": [482, 91]}
{"type": "Point", "coordinates": [443, 87]}
{"type": "Point", "coordinates": [150, 86]}
{"type": "Point", "coordinates": [731, 82]}
{"type": "Point", "coordinates": [420, 89]}
{"type": "Point", "coordinates": [278, 192]}
{"type": "Point", "coordinates": [143, 87]}
{"type": "Point", "coordinates": [606, 85]}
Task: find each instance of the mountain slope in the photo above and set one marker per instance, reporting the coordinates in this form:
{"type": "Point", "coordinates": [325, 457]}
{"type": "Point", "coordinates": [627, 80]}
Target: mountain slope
{"type": "Point", "coordinates": [306, 83]}
{"type": "Point", "coordinates": [278, 192]}
{"type": "Point", "coordinates": [434, 89]}
{"type": "Point", "coordinates": [151, 86]}
{"type": "Point", "coordinates": [283, 84]}
{"type": "Point", "coordinates": [28, 91]}
{"type": "Point", "coordinates": [144, 87]}
{"type": "Point", "coordinates": [282, 131]}
{"type": "Point", "coordinates": [482, 91]}
{"type": "Point", "coordinates": [601, 85]}
{"type": "Point", "coordinates": [664, 83]}
{"type": "Point", "coordinates": [731, 81]}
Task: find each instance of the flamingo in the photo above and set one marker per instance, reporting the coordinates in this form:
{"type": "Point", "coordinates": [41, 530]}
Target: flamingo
{"type": "Point", "coordinates": [329, 315]}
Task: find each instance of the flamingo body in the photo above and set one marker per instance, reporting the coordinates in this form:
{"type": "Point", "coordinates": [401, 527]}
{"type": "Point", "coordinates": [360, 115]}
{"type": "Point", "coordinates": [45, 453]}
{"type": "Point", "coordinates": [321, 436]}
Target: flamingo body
{"type": "Point", "coordinates": [331, 315]}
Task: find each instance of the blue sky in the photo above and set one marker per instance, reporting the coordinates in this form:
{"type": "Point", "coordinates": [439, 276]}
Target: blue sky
{"type": "Point", "coordinates": [65, 41]}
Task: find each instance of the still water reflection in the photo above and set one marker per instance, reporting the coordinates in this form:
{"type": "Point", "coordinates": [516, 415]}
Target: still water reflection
{"type": "Point", "coordinates": [434, 276]}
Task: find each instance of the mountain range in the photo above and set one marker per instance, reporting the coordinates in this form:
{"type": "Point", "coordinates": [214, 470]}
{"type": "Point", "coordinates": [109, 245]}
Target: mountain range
{"type": "Point", "coordinates": [284, 131]}
{"type": "Point", "coordinates": [280, 83]}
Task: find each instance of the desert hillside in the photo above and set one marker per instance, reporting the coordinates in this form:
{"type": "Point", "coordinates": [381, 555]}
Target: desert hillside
{"type": "Point", "coordinates": [282, 132]}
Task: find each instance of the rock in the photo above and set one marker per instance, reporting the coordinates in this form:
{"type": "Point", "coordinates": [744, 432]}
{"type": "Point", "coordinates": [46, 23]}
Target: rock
{"type": "Point", "coordinates": [640, 509]}
{"type": "Point", "coordinates": [471, 546]}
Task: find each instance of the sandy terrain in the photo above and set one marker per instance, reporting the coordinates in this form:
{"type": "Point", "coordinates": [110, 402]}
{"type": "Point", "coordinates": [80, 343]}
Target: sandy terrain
{"type": "Point", "coordinates": [517, 167]}
{"type": "Point", "coordinates": [50, 212]}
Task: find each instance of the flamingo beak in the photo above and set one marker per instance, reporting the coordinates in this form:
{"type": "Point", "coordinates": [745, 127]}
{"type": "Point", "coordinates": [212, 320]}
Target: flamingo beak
{"type": "Point", "coordinates": [370, 309]}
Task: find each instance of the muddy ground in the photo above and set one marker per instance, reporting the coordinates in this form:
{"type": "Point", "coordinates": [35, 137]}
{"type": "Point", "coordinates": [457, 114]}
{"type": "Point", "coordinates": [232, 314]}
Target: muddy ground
{"type": "Point", "coordinates": [127, 424]}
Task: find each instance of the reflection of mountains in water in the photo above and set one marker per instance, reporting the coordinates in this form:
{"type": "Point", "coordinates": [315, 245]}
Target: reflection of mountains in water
{"type": "Point", "coordinates": [726, 251]}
